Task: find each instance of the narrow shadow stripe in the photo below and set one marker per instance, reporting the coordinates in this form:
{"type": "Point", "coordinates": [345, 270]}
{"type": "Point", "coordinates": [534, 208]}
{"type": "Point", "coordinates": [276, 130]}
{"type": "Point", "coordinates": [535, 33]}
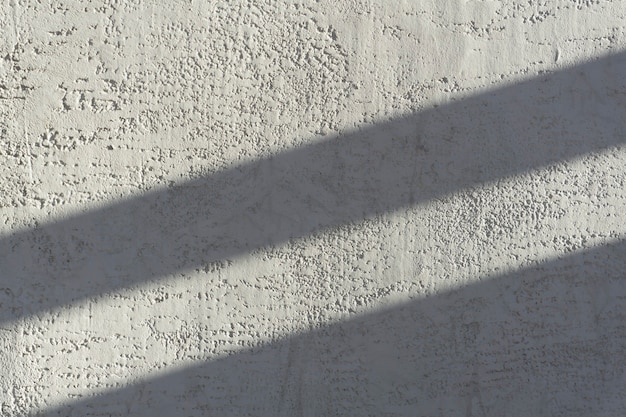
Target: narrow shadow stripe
{"type": "Point", "coordinates": [378, 169]}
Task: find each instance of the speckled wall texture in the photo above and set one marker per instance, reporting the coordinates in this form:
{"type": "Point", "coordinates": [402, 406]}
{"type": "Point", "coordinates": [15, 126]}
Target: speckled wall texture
{"type": "Point", "coordinates": [313, 208]}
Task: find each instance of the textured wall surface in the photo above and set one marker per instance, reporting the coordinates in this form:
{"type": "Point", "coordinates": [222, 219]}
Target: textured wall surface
{"type": "Point", "coordinates": [313, 208]}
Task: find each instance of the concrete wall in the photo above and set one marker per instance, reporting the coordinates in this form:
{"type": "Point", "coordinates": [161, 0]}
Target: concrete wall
{"type": "Point", "coordinates": [313, 208]}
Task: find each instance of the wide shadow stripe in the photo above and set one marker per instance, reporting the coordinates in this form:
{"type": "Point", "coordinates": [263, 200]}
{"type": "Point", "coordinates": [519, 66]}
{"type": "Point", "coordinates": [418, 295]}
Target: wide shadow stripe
{"type": "Point", "coordinates": [543, 341]}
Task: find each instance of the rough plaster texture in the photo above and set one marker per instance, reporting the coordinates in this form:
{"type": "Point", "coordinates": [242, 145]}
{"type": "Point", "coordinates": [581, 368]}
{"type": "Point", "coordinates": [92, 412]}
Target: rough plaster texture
{"type": "Point", "coordinates": [313, 208]}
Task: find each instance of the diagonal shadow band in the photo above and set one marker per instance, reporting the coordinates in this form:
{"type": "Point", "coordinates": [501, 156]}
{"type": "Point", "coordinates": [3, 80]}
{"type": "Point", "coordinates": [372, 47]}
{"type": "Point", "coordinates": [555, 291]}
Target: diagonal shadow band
{"type": "Point", "coordinates": [378, 169]}
{"type": "Point", "coordinates": [528, 343]}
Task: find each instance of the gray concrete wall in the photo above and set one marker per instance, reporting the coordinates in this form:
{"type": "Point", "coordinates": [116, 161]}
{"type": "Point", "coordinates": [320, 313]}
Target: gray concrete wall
{"type": "Point", "coordinates": [313, 208]}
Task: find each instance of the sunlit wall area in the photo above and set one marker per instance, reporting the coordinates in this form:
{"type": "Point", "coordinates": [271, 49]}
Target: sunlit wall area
{"type": "Point", "coordinates": [313, 208]}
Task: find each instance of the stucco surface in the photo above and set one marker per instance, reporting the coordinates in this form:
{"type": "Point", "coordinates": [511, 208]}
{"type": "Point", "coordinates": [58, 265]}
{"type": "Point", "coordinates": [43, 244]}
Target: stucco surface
{"type": "Point", "coordinates": [313, 208]}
